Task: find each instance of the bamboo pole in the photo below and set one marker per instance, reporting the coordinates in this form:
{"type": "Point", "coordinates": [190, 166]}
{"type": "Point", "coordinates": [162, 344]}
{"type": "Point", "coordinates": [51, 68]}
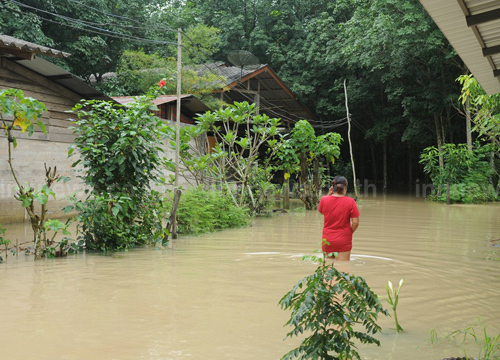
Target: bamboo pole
{"type": "Point", "coordinates": [350, 143]}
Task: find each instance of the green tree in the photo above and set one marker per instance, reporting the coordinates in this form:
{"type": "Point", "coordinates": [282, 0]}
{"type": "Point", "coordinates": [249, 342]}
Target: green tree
{"type": "Point", "coordinates": [333, 308]}
{"type": "Point", "coordinates": [94, 33]}
{"type": "Point", "coordinates": [302, 154]}
{"type": "Point", "coordinates": [120, 151]}
{"type": "Point", "coordinates": [243, 144]}
{"type": "Point", "coordinates": [397, 50]}
{"type": "Point", "coordinates": [483, 109]}
{"type": "Point", "coordinates": [22, 25]}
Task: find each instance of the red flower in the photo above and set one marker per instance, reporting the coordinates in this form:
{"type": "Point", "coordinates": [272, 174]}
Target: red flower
{"type": "Point", "coordinates": [162, 83]}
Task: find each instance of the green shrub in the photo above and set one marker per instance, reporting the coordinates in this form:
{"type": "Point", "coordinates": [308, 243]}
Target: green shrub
{"type": "Point", "coordinates": [206, 210]}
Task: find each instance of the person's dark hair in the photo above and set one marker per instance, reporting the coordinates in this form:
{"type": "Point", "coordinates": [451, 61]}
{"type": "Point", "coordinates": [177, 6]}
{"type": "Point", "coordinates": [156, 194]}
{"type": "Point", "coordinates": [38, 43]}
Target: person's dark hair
{"type": "Point", "coordinates": [339, 183]}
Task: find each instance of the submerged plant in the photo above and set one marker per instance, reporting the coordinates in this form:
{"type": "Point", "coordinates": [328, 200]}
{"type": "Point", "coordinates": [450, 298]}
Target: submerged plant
{"type": "Point", "coordinates": [489, 346]}
{"type": "Point", "coordinates": [335, 308]}
{"type": "Point", "coordinates": [3, 241]}
{"type": "Point", "coordinates": [393, 299]}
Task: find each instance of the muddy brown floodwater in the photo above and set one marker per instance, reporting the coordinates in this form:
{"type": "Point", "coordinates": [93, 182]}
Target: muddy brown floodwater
{"type": "Point", "coordinates": [216, 296]}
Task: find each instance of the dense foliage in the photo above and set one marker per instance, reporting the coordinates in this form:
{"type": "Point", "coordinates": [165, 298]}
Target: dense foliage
{"type": "Point", "coordinates": [120, 151]}
{"type": "Point", "coordinates": [465, 177]}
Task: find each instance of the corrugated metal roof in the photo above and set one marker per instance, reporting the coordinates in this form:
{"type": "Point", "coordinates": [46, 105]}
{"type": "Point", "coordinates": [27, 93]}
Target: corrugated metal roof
{"type": "Point", "coordinates": [13, 43]}
{"type": "Point", "coordinates": [473, 29]}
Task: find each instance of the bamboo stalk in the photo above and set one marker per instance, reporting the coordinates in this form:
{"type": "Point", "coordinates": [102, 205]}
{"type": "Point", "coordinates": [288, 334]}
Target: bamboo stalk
{"type": "Point", "coordinates": [349, 138]}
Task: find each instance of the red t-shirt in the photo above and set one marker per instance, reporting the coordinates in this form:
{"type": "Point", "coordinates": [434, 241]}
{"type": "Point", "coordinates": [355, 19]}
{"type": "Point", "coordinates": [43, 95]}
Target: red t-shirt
{"type": "Point", "coordinates": [338, 211]}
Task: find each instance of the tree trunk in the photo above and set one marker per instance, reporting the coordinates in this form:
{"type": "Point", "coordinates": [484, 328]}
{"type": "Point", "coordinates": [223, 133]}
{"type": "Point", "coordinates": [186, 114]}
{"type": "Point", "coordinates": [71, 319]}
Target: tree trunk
{"type": "Point", "coordinates": [448, 198]}
{"type": "Point", "coordinates": [374, 162]}
{"type": "Point", "coordinates": [439, 141]}
{"type": "Point", "coordinates": [384, 187]}
{"type": "Point", "coordinates": [468, 125]}
{"type": "Point", "coordinates": [410, 170]}
{"type": "Point", "coordinates": [316, 186]}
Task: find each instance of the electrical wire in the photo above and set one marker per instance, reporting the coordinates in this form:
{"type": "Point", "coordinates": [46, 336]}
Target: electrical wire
{"type": "Point", "coordinates": [93, 29]}
{"type": "Point", "coordinates": [96, 28]}
{"type": "Point", "coordinates": [142, 27]}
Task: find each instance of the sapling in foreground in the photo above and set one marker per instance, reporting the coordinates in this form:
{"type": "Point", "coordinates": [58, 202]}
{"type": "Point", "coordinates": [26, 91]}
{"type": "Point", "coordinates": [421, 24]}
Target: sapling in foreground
{"type": "Point", "coordinates": [334, 308]}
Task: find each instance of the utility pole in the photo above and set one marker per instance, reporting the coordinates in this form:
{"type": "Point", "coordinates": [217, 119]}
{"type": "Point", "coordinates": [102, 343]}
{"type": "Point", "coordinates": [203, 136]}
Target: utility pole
{"type": "Point", "coordinates": [178, 110]}
{"type": "Point", "coordinates": [172, 227]}
{"type": "Point", "coordinates": [350, 144]}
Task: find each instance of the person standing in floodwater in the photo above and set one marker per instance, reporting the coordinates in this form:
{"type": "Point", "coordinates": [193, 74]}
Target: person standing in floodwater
{"type": "Point", "coordinates": [341, 219]}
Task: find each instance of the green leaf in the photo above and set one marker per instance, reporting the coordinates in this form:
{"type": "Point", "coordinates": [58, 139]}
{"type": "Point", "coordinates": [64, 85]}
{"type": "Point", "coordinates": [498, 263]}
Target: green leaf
{"type": "Point", "coordinates": [115, 210]}
{"type": "Point", "coordinates": [41, 125]}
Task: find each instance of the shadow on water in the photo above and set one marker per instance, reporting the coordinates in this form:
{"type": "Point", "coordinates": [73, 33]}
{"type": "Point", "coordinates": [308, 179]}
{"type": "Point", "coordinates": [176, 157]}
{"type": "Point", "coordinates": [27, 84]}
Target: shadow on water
{"type": "Point", "coordinates": [215, 296]}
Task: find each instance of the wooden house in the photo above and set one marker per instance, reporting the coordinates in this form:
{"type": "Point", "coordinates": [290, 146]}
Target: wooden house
{"type": "Point", "coordinates": [22, 67]}
{"type": "Point", "coordinates": [262, 86]}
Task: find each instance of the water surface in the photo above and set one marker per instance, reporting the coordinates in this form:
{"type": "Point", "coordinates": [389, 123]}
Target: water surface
{"type": "Point", "coordinates": [216, 296]}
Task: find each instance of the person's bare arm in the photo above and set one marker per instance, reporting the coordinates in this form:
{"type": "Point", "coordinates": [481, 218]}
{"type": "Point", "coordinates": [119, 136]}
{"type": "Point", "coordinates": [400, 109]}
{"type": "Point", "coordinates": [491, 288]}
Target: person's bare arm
{"type": "Point", "coordinates": [354, 224]}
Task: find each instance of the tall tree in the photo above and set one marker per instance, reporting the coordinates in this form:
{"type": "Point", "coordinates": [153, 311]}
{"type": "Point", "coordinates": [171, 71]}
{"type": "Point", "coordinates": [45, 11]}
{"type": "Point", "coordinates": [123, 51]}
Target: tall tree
{"type": "Point", "coordinates": [95, 33]}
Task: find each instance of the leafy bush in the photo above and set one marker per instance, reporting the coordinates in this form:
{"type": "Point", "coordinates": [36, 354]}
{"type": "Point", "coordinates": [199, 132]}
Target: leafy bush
{"type": "Point", "coordinates": [120, 149]}
{"type": "Point", "coordinates": [206, 210]}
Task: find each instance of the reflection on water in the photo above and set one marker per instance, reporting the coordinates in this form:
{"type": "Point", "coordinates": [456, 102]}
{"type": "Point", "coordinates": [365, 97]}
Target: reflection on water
{"type": "Point", "coordinates": [216, 296]}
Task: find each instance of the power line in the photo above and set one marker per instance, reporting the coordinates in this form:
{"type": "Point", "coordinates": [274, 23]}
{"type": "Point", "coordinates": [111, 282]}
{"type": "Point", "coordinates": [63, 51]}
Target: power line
{"type": "Point", "coordinates": [123, 18]}
{"type": "Point", "coordinates": [93, 29]}
{"type": "Point", "coordinates": [96, 28]}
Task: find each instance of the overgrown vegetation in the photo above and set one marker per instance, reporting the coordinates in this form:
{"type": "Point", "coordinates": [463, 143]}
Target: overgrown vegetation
{"type": "Point", "coordinates": [121, 157]}
{"type": "Point", "coordinates": [464, 177]}
{"type": "Point", "coordinates": [333, 308]}
{"type": "Point", "coordinates": [206, 210]}
{"type": "Point", "coordinates": [469, 173]}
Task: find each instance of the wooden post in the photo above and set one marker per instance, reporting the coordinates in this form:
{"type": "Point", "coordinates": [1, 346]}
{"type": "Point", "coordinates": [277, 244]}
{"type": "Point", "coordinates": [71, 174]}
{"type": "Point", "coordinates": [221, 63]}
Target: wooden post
{"type": "Point", "coordinates": [350, 144]}
{"type": "Point", "coordinates": [171, 226]}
